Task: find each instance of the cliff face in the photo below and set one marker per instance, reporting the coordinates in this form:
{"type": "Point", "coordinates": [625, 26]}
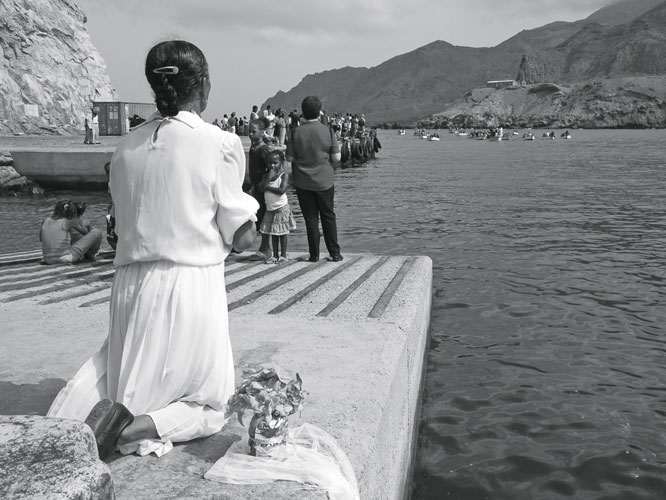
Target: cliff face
{"type": "Point", "coordinates": [50, 72]}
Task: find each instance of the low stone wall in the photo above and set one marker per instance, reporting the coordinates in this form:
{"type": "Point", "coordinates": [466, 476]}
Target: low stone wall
{"type": "Point", "coordinates": [68, 168]}
{"type": "Point", "coordinates": [63, 168]}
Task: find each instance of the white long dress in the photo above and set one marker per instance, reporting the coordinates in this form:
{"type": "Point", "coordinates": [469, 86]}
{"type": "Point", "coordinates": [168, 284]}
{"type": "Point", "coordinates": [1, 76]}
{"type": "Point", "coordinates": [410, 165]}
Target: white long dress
{"type": "Point", "coordinates": [176, 185]}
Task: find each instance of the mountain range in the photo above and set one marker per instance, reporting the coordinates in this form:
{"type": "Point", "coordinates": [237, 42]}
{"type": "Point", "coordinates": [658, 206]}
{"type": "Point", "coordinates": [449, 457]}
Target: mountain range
{"type": "Point", "coordinates": [622, 41]}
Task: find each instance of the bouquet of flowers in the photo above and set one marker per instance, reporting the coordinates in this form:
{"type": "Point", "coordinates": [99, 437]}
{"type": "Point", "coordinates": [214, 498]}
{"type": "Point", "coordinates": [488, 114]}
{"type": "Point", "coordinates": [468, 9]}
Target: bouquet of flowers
{"type": "Point", "coordinates": [272, 401]}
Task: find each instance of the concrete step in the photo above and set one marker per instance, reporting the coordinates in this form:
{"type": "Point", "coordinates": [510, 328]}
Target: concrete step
{"type": "Point", "coordinates": [356, 331]}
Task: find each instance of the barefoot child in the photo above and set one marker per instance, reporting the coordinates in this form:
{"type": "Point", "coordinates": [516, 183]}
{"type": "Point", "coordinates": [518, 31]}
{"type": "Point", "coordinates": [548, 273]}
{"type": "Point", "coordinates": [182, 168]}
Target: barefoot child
{"type": "Point", "coordinates": [278, 219]}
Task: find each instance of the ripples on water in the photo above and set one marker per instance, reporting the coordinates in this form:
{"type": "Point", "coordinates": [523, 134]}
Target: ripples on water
{"type": "Point", "coordinates": [546, 371]}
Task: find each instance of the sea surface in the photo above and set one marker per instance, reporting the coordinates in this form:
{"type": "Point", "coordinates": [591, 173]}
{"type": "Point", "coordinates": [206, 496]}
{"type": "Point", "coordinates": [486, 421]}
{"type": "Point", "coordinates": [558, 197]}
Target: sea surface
{"type": "Point", "coordinates": [546, 369]}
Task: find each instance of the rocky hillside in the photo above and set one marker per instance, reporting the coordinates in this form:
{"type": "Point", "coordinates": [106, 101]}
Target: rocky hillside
{"type": "Point", "coordinates": [627, 39]}
{"type": "Point", "coordinates": [50, 72]}
{"type": "Point", "coordinates": [630, 102]}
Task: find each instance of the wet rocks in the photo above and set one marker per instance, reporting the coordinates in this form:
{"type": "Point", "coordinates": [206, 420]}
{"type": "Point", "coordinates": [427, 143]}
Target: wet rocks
{"type": "Point", "coordinates": [12, 183]}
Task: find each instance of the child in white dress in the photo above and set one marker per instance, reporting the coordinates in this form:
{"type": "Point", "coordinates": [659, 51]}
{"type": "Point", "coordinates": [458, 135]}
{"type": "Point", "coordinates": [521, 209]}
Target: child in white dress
{"type": "Point", "coordinates": [278, 219]}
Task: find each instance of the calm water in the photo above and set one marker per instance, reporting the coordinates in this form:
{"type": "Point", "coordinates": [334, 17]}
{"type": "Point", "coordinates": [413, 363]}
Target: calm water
{"type": "Point", "coordinates": [546, 375]}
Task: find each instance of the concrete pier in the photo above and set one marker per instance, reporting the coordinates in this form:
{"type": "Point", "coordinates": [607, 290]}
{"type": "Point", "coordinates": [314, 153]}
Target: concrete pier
{"type": "Point", "coordinates": [356, 331]}
{"type": "Point", "coordinates": [72, 168]}
{"type": "Point", "coordinates": [64, 162]}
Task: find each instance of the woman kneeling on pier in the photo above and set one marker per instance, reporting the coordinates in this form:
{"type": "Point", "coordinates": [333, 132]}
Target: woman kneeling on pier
{"type": "Point", "coordinates": [165, 371]}
{"type": "Point", "coordinates": [65, 239]}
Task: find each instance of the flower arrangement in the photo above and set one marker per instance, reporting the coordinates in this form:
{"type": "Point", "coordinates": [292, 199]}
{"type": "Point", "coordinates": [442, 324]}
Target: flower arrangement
{"type": "Point", "coordinates": [271, 400]}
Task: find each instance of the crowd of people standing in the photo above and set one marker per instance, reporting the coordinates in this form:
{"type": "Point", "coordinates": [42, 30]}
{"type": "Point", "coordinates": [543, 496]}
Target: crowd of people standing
{"type": "Point", "coordinates": [281, 122]}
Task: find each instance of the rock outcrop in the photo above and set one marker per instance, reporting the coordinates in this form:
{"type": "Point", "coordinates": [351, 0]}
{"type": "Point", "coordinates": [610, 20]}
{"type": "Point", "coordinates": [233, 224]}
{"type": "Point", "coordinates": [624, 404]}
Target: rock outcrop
{"type": "Point", "coordinates": [50, 458]}
{"type": "Point", "coordinates": [529, 73]}
{"type": "Point", "coordinates": [50, 72]}
{"type": "Point", "coordinates": [636, 102]}
{"type": "Point", "coordinates": [12, 183]}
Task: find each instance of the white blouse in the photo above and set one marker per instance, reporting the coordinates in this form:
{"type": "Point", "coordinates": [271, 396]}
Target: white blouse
{"type": "Point", "coordinates": [176, 185]}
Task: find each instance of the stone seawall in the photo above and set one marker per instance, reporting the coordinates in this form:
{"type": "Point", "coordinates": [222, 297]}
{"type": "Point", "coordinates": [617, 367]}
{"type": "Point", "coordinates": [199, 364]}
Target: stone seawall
{"type": "Point", "coordinates": [63, 162]}
{"type": "Point", "coordinates": [64, 169]}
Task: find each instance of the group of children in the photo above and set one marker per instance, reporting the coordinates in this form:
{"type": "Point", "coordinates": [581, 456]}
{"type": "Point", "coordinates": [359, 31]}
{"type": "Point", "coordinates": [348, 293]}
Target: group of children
{"type": "Point", "coordinates": [268, 184]}
{"type": "Point", "coordinates": [65, 237]}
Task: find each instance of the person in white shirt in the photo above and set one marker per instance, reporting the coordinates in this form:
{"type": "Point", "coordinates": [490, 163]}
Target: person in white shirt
{"type": "Point", "coordinates": [268, 114]}
{"type": "Point", "coordinates": [95, 127]}
{"type": "Point", "coordinates": [165, 372]}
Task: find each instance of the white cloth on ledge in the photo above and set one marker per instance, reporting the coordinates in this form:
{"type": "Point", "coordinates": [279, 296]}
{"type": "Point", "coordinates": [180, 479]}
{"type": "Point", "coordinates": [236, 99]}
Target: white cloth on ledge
{"type": "Point", "coordinates": [311, 457]}
{"type": "Point", "coordinates": [144, 447]}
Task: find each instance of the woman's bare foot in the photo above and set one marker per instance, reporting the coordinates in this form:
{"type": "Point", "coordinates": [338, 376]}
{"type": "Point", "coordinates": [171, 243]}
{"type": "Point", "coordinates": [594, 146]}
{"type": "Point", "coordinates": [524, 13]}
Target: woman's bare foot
{"type": "Point", "coordinates": [142, 427]}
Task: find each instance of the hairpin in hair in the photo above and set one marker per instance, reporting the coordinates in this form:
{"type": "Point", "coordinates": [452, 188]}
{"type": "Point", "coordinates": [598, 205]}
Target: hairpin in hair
{"type": "Point", "coordinates": [166, 70]}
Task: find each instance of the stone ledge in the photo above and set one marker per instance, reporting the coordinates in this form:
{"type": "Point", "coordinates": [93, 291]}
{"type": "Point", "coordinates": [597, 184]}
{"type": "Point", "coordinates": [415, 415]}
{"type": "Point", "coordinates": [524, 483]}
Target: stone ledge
{"type": "Point", "coordinates": [363, 370]}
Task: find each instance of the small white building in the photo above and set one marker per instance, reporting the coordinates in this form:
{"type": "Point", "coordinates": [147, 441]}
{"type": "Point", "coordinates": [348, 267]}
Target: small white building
{"type": "Point", "coordinates": [501, 84]}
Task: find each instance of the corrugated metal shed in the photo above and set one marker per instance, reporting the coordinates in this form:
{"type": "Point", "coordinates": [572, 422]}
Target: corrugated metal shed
{"type": "Point", "coordinates": [116, 117]}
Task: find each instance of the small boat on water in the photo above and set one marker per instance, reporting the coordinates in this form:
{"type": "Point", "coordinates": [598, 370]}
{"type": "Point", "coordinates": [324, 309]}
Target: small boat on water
{"type": "Point", "coordinates": [401, 132]}
{"type": "Point", "coordinates": [433, 137]}
{"type": "Point", "coordinates": [565, 135]}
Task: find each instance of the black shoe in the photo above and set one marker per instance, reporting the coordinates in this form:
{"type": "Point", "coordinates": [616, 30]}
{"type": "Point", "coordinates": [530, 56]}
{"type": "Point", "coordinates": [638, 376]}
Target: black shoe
{"type": "Point", "coordinates": [335, 258]}
{"type": "Point", "coordinates": [313, 259]}
{"type": "Point", "coordinates": [107, 420]}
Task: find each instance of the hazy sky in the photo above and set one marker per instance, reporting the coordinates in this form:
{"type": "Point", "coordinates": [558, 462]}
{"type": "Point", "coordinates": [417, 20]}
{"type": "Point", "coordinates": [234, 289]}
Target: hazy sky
{"type": "Point", "coordinates": [255, 48]}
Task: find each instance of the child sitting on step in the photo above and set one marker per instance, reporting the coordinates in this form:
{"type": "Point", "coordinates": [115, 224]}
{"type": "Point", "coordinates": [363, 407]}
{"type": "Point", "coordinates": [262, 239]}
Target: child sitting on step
{"type": "Point", "coordinates": [77, 227]}
{"type": "Point", "coordinates": [56, 239]}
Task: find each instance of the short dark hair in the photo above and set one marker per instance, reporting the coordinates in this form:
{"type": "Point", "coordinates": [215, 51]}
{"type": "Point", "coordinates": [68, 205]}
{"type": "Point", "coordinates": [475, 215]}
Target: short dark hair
{"type": "Point", "coordinates": [184, 72]}
{"type": "Point", "coordinates": [80, 207]}
{"type": "Point", "coordinates": [311, 106]}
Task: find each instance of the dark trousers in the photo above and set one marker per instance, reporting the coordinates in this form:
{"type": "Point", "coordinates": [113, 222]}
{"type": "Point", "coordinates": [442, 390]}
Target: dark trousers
{"type": "Point", "coordinates": [316, 204]}
{"type": "Point", "coordinates": [259, 196]}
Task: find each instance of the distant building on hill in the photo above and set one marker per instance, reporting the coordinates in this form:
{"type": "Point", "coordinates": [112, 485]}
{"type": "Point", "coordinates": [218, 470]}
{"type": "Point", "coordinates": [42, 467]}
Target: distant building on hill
{"type": "Point", "coordinates": [501, 84]}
